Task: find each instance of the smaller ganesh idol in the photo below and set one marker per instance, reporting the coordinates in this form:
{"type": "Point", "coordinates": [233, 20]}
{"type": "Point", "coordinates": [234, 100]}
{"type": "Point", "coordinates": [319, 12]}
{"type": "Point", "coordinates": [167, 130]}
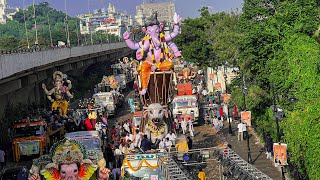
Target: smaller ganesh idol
{"type": "Point", "coordinates": [67, 161]}
{"type": "Point", "coordinates": [60, 92]}
{"type": "Point", "coordinates": [158, 46]}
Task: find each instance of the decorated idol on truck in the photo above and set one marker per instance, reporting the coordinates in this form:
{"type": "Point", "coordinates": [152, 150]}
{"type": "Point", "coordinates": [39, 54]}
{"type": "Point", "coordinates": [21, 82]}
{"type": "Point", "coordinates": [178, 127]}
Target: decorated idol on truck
{"type": "Point", "coordinates": [155, 75]}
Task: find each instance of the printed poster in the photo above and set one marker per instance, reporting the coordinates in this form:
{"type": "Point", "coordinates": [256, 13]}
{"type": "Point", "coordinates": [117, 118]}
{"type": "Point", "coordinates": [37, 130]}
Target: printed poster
{"type": "Point", "coordinates": [280, 154]}
{"type": "Point", "coordinates": [226, 98]}
{"type": "Point", "coordinates": [211, 76]}
{"type": "Point", "coordinates": [29, 147]}
{"type": "Point", "coordinates": [246, 117]}
{"type": "Point", "coordinates": [217, 86]}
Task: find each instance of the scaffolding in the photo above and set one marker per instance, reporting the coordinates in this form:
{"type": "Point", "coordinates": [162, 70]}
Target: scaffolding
{"type": "Point", "coordinates": [252, 171]}
{"type": "Point", "coordinates": [169, 168]}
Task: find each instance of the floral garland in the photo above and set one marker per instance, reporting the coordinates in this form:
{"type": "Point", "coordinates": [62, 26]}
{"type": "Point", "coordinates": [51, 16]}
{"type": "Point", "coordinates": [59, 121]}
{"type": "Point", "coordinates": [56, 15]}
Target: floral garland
{"type": "Point", "coordinates": [127, 162]}
{"type": "Point", "coordinates": [156, 131]}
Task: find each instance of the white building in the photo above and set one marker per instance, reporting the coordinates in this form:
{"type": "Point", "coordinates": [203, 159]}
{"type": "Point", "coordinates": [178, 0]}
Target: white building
{"type": "Point", "coordinates": [6, 12]}
{"type": "Point", "coordinates": [3, 6]}
{"type": "Point", "coordinates": [110, 21]}
{"type": "Point", "coordinates": [165, 11]}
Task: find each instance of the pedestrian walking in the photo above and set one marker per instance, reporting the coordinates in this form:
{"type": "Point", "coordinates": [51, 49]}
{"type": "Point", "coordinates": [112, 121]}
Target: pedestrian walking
{"type": "Point", "coordinates": [2, 158]}
{"type": "Point", "coordinates": [215, 123]}
{"type": "Point", "coordinates": [269, 145]}
{"type": "Point", "coordinates": [184, 125]}
{"type": "Point", "coordinates": [191, 128]}
{"type": "Point", "coordinates": [240, 131]}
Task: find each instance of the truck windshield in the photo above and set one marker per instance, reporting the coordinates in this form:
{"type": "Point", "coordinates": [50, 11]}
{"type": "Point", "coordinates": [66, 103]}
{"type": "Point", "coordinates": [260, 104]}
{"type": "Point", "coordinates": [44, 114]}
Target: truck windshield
{"type": "Point", "coordinates": [103, 99]}
{"type": "Point", "coordinates": [184, 104]}
{"type": "Point", "coordinates": [90, 143]}
{"type": "Point", "coordinates": [28, 131]}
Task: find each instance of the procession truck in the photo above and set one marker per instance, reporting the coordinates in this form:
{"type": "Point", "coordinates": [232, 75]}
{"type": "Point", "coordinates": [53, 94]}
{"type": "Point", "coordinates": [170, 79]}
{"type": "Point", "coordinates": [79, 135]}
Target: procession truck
{"type": "Point", "coordinates": [33, 138]}
{"type": "Point", "coordinates": [110, 101]}
{"type": "Point", "coordinates": [186, 107]}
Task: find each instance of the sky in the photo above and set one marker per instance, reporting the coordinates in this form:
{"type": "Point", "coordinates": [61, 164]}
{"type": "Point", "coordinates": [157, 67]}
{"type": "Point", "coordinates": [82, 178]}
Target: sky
{"type": "Point", "coordinates": [185, 8]}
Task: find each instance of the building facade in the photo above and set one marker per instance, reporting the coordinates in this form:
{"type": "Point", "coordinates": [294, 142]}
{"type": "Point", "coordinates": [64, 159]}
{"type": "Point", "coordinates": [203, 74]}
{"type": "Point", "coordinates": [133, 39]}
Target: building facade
{"type": "Point", "coordinates": [165, 11]}
{"type": "Point", "coordinates": [3, 6]}
{"type": "Point", "coordinates": [110, 21]}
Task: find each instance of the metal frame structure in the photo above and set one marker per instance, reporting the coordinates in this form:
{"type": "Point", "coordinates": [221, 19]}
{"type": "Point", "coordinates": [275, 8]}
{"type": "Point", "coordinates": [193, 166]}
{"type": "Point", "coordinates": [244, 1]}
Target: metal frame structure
{"type": "Point", "coordinates": [254, 172]}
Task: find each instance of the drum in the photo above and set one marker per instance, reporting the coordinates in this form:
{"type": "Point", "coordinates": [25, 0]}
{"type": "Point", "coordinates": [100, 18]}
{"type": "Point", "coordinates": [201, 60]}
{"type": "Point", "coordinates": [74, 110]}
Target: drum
{"type": "Point", "coordinates": [160, 89]}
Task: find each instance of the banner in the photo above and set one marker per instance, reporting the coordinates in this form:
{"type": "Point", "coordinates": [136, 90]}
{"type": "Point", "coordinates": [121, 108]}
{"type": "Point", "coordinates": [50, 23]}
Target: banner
{"type": "Point", "coordinates": [280, 154]}
{"type": "Point", "coordinates": [226, 98]}
{"type": "Point", "coordinates": [246, 117]}
{"type": "Point", "coordinates": [29, 147]}
{"type": "Point", "coordinates": [211, 76]}
{"type": "Point", "coordinates": [217, 86]}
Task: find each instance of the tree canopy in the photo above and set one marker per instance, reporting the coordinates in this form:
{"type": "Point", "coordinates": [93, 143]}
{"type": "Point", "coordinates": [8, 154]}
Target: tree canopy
{"type": "Point", "coordinates": [272, 42]}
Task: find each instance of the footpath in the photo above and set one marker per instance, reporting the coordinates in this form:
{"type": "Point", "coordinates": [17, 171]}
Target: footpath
{"type": "Point", "coordinates": [258, 154]}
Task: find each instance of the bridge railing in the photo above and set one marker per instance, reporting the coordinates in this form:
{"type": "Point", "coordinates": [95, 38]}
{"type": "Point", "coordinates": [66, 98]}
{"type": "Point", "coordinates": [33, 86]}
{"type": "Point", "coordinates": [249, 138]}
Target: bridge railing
{"type": "Point", "coordinates": [11, 64]}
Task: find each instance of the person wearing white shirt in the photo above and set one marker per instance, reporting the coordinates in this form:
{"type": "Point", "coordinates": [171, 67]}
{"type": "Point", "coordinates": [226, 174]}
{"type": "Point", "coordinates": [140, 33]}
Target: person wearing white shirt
{"type": "Point", "coordinates": [126, 127]}
{"type": "Point", "coordinates": [184, 126]}
{"type": "Point", "coordinates": [137, 139]}
{"type": "Point", "coordinates": [168, 144]}
{"type": "Point", "coordinates": [240, 131]}
{"type": "Point", "coordinates": [130, 145]}
{"type": "Point", "coordinates": [172, 137]}
{"type": "Point", "coordinates": [215, 123]}
{"type": "Point", "coordinates": [129, 137]}
{"type": "Point", "coordinates": [161, 144]}
{"type": "Point", "coordinates": [191, 128]}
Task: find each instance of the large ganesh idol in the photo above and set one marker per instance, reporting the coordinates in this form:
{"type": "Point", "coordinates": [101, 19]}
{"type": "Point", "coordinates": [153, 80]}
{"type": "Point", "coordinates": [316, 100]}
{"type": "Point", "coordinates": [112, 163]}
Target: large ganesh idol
{"type": "Point", "coordinates": [157, 44]}
{"type": "Point", "coordinates": [68, 161]}
{"type": "Point", "coordinates": [60, 92]}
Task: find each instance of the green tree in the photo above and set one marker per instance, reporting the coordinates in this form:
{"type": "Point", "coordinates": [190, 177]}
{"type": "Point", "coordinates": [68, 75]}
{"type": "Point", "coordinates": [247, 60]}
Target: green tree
{"type": "Point", "coordinates": [193, 39]}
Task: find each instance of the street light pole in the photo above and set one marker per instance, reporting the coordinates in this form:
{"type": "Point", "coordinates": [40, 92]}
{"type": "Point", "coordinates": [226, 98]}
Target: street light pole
{"type": "Point", "coordinates": [35, 24]}
{"type": "Point", "coordinates": [274, 111]}
{"type": "Point", "coordinates": [244, 92]}
{"type": "Point", "coordinates": [50, 28]}
{"type": "Point", "coordinates": [25, 25]}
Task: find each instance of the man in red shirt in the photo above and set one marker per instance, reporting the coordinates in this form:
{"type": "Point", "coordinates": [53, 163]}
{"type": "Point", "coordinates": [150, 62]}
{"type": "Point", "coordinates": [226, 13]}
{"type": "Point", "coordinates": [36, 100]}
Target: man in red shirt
{"type": "Point", "coordinates": [88, 125]}
{"type": "Point", "coordinates": [113, 131]}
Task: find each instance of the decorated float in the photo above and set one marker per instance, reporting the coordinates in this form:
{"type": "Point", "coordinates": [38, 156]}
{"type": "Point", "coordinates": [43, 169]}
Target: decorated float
{"type": "Point", "coordinates": [155, 75]}
{"type": "Point", "coordinates": [68, 159]}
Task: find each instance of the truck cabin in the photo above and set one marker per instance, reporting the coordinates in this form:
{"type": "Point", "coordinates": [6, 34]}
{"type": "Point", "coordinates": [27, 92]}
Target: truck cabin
{"type": "Point", "coordinates": [26, 129]}
{"type": "Point", "coordinates": [185, 102]}
{"type": "Point", "coordinates": [103, 99]}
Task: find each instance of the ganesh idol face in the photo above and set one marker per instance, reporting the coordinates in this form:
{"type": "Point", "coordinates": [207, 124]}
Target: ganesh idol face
{"type": "Point", "coordinates": [69, 172]}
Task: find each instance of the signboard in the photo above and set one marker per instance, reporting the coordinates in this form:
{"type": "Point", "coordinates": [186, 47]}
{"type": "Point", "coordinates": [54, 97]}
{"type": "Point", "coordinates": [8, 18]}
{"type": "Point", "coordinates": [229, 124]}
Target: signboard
{"type": "Point", "coordinates": [211, 76]}
{"type": "Point", "coordinates": [29, 147]}
{"type": "Point", "coordinates": [217, 86]}
{"type": "Point", "coordinates": [280, 153]}
{"type": "Point", "coordinates": [142, 156]}
{"type": "Point", "coordinates": [226, 98]}
{"type": "Point", "coordinates": [246, 117]}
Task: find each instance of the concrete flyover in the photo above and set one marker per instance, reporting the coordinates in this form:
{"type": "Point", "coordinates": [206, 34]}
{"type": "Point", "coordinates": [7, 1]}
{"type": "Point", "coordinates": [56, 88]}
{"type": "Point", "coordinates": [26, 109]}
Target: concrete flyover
{"type": "Point", "coordinates": [21, 74]}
